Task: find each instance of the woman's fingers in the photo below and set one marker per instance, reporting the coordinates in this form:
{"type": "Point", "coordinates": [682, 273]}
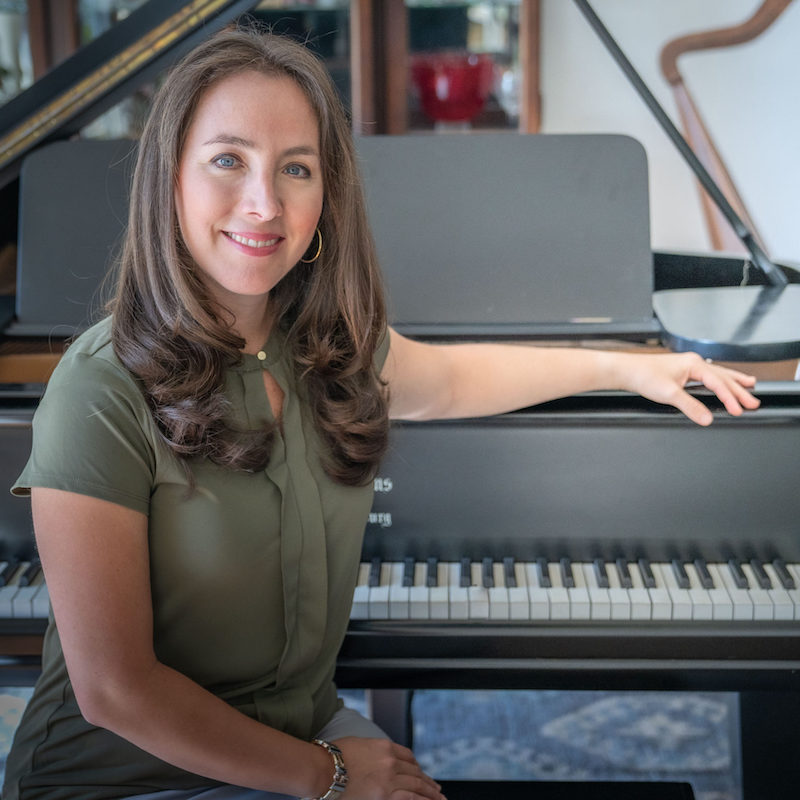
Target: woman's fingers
{"type": "Point", "coordinates": [663, 378]}
{"type": "Point", "coordinates": [382, 770]}
{"type": "Point", "coordinates": [730, 386]}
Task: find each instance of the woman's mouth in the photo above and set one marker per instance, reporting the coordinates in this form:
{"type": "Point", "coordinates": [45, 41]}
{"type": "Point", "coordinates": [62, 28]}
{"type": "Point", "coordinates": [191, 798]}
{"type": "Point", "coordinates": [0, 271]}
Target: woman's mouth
{"type": "Point", "coordinates": [249, 242]}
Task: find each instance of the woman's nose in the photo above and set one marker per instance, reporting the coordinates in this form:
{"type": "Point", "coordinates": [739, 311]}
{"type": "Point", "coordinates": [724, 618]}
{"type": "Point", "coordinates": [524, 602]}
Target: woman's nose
{"type": "Point", "coordinates": [262, 198]}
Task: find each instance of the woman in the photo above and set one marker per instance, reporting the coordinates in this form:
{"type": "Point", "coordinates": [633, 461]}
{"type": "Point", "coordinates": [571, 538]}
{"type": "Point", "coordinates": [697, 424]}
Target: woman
{"type": "Point", "coordinates": [235, 405]}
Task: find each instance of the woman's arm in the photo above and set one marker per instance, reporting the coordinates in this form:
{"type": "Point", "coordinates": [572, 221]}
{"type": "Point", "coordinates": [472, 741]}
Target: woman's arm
{"type": "Point", "coordinates": [95, 558]}
{"type": "Point", "coordinates": [472, 380]}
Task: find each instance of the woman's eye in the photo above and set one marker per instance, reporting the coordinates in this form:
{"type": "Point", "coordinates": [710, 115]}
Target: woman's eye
{"type": "Point", "coordinates": [226, 162]}
{"type": "Point", "coordinates": [298, 170]}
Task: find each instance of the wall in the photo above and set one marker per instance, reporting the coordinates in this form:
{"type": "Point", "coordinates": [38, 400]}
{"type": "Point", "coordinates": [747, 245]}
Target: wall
{"type": "Point", "coordinates": [749, 96]}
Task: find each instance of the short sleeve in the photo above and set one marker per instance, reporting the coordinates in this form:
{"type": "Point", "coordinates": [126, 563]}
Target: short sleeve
{"type": "Point", "coordinates": [382, 351]}
{"type": "Point", "coordinates": [92, 435]}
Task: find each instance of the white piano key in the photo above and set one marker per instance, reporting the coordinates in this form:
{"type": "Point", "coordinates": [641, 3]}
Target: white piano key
{"type": "Point", "coordinates": [580, 608]}
{"type": "Point", "coordinates": [498, 594]}
{"type": "Point", "coordinates": [9, 591]}
{"type": "Point", "coordinates": [702, 607]}
{"type": "Point", "coordinates": [538, 596]}
{"type": "Point", "coordinates": [419, 593]}
{"type": "Point", "coordinates": [360, 607]}
{"type": "Point", "coordinates": [782, 602]}
{"type": "Point", "coordinates": [641, 603]}
{"type": "Point", "coordinates": [559, 598]}
{"type": "Point", "coordinates": [721, 600]}
{"type": "Point", "coordinates": [742, 603]}
{"type": "Point", "coordinates": [379, 595]}
{"type": "Point", "coordinates": [680, 601]}
{"type": "Point", "coordinates": [599, 599]}
{"type": "Point", "coordinates": [619, 598]}
{"type": "Point", "coordinates": [398, 593]}
{"type": "Point", "coordinates": [794, 594]}
{"type": "Point", "coordinates": [41, 603]}
{"type": "Point", "coordinates": [478, 593]}
{"type": "Point", "coordinates": [518, 603]}
{"type": "Point", "coordinates": [439, 595]}
{"type": "Point", "coordinates": [661, 602]}
{"type": "Point", "coordinates": [762, 602]}
{"type": "Point", "coordinates": [458, 595]}
{"type": "Point", "coordinates": [22, 602]}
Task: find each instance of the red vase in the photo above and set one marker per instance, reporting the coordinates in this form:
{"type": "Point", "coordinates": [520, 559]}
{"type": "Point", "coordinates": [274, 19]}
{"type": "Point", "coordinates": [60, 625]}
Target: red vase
{"type": "Point", "coordinates": [453, 86]}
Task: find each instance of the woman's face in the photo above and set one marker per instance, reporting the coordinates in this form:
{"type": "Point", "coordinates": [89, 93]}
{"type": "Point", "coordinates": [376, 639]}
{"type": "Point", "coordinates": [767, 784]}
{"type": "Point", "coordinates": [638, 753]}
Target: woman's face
{"type": "Point", "coordinates": [249, 189]}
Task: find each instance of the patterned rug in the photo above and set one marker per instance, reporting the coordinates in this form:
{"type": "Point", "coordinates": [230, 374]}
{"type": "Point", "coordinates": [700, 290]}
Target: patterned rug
{"type": "Point", "coordinates": [557, 736]}
{"type": "Point", "coordinates": [560, 736]}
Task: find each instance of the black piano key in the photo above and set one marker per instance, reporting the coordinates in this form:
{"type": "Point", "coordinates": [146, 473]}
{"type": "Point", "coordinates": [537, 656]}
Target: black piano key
{"type": "Point", "coordinates": [374, 573]}
{"type": "Point", "coordinates": [625, 580]}
{"type": "Point", "coordinates": [465, 579]}
{"type": "Point", "coordinates": [7, 571]}
{"type": "Point", "coordinates": [432, 573]}
{"type": "Point", "coordinates": [30, 573]}
{"type": "Point", "coordinates": [762, 578]}
{"type": "Point", "coordinates": [706, 580]}
{"type": "Point", "coordinates": [543, 573]}
{"type": "Point", "coordinates": [509, 573]}
{"type": "Point", "coordinates": [680, 574]}
{"type": "Point", "coordinates": [739, 578]}
{"type": "Point", "coordinates": [567, 578]}
{"type": "Point", "coordinates": [600, 573]}
{"type": "Point", "coordinates": [647, 574]}
{"type": "Point", "coordinates": [487, 573]}
{"type": "Point", "coordinates": [784, 576]}
{"type": "Point", "coordinates": [408, 571]}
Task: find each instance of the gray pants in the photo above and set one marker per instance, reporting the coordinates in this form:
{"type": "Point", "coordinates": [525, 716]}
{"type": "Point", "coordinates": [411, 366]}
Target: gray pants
{"type": "Point", "coordinates": [345, 722]}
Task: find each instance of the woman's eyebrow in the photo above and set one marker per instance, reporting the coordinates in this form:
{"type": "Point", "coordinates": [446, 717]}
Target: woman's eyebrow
{"type": "Point", "coordinates": [239, 141]}
{"type": "Point", "coordinates": [301, 150]}
{"type": "Point", "coordinates": [228, 138]}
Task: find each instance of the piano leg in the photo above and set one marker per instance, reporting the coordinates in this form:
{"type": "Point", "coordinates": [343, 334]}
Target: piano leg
{"type": "Point", "coordinates": [390, 710]}
{"type": "Point", "coordinates": [770, 729]}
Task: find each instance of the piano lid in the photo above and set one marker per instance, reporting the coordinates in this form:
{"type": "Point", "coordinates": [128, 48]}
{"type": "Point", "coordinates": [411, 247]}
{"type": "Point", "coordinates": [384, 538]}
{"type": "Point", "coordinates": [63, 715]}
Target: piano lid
{"type": "Point", "coordinates": [95, 77]}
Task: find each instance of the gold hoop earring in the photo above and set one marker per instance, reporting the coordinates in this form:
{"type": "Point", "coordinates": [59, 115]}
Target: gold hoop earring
{"type": "Point", "coordinates": [317, 254]}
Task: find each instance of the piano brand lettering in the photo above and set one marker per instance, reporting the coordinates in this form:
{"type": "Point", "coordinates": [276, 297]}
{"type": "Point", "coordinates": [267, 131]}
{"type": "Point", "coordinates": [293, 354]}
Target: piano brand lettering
{"type": "Point", "coordinates": [383, 484]}
{"type": "Point", "coordinates": [382, 518]}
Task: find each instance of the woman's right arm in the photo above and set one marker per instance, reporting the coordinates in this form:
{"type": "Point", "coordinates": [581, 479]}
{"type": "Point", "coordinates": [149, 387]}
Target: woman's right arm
{"type": "Point", "coordinates": [95, 558]}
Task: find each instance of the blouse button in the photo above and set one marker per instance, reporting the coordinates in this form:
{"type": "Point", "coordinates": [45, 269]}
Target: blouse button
{"type": "Point", "coordinates": [261, 355]}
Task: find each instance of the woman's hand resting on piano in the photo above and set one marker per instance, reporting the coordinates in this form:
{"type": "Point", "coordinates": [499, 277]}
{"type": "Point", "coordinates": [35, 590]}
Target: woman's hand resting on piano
{"type": "Point", "coordinates": [662, 378]}
{"type": "Point", "coordinates": [379, 768]}
{"type": "Point", "coordinates": [430, 381]}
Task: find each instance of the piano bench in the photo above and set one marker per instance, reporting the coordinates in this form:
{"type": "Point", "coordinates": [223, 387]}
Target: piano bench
{"type": "Point", "coordinates": [565, 790]}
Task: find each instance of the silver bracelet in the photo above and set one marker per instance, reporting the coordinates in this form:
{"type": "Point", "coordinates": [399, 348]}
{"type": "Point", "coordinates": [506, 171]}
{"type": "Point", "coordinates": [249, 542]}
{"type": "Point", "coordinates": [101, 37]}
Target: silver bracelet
{"type": "Point", "coordinates": [340, 777]}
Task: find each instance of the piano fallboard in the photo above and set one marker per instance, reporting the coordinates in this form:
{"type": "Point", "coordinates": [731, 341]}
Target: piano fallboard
{"type": "Point", "coordinates": [600, 475]}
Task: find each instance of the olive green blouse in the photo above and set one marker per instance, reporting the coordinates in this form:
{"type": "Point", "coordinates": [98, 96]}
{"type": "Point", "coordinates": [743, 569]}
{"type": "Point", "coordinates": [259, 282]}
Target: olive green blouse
{"type": "Point", "coordinates": [252, 574]}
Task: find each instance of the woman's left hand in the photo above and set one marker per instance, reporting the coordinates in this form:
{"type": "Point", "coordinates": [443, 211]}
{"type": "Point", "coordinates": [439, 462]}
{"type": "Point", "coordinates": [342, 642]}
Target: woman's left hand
{"type": "Point", "coordinates": [662, 378]}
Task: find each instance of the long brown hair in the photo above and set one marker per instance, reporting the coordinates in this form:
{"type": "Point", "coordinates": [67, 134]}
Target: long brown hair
{"type": "Point", "coordinates": [169, 333]}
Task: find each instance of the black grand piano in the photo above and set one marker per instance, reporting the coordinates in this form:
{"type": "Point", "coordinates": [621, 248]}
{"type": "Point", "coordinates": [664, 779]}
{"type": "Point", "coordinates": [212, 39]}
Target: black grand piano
{"type": "Point", "coordinates": [596, 542]}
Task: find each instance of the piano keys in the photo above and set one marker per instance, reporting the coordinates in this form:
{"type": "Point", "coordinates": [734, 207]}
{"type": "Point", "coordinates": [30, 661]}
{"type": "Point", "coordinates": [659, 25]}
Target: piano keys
{"type": "Point", "coordinates": [514, 593]}
{"type": "Point", "coordinates": [23, 592]}
{"type": "Point", "coordinates": [511, 591]}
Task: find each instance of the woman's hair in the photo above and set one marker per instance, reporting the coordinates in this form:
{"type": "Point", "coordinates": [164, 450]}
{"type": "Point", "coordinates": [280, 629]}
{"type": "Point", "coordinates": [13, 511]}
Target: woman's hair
{"type": "Point", "coordinates": [170, 334]}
